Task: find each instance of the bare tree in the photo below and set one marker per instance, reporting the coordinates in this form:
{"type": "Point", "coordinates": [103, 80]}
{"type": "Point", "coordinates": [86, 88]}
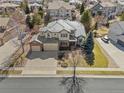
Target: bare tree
{"type": "Point", "coordinates": [74, 84]}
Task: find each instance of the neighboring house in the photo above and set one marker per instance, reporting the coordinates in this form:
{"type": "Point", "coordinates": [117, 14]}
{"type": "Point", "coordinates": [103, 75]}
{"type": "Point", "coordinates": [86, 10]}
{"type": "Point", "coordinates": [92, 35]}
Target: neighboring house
{"type": "Point", "coordinates": [8, 7]}
{"type": "Point", "coordinates": [7, 30]}
{"type": "Point", "coordinates": [19, 1]}
{"type": "Point", "coordinates": [61, 34]}
{"type": "Point", "coordinates": [120, 6]}
{"type": "Point", "coordinates": [60, 10]}
{"type": "Point", "coordinates": [74, 2]}
{"type": "Point", "coordinates": [106, 9]}
{"type": "Point", "coordinates": [12, 1]}
{"type": "Point", "coordinates": [35, 1]}
{"type": "Point", "coordinates": [91, 2]}
{"type": "Point", "coordinates": [35, 6]}
{"type": "Point", "coordinates": [116, 33]}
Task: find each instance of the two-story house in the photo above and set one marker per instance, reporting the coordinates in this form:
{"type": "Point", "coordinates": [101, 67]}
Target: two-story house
{"type": "Point", "coordinates": [107, 9]}
{"type": "Point", "coordinates": [8, 7]}
{"type": "Point", "coordinates": [12, 1]}
{"type": "Point", "coordinates": [60, 10]}
{"type": "Point", "coordinates": [62, 34]}
{"type": "Point", "coordinates": [7, 30]}
{"type": "Point", "coordinates": [120, 6]}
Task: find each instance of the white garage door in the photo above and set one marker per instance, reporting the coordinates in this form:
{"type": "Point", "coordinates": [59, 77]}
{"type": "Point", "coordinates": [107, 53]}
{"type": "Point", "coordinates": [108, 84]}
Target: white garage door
{"type": "Point", "coordinates": [35, 48]}
{"type": "Point", "coordinates": [50, 46]}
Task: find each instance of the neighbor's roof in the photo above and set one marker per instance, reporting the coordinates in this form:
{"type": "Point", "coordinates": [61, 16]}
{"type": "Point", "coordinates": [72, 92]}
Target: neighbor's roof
{"type": "Point", "coordinates": [35, 4]}
{"type": "Point", "coordinates": [75, 1]}
{"type": "Point", "coordinates": [4, 21]}
{"type": "Point", "coordinates": [116, 30]}
{"type": "Point", "coordinates": [59, 4]}
{"type": "Point", "coordinates": [4, 5]}
{"type": "Point", "coordinates": [107, 4]}
{"type": "Point", "coordinates": [59, 25]}
{"type": "Point", "coordinates": [7, 50]}
{"type": "Point", "coordinates": [120, 2]}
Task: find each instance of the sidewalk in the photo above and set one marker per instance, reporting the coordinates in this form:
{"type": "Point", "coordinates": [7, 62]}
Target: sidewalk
{"type": "Point", "coordinates": [92, 69]}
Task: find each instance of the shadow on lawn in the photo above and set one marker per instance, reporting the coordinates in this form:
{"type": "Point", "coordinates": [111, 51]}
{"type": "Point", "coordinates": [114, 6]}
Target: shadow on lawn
{"type": "Point", "coordinates": [4, 74]}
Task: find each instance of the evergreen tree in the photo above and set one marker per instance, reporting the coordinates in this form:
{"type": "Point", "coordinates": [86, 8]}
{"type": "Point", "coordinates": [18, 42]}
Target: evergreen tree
{"type": "Point", "coordinates": [46, 19]}
{"type": "Point", "coordinates": [24, 6]}
{"type": "Point", "coordinates": [86, 20]}
{"type": "Point", "coordinates": [27, 10]}
{"type": "Point", "coordinates": [40, 9]}
{"type": "Point", "coordinates": [96, 26]}
{"type": "Point", "coordinates": [37, 19]}
{"type": "Point", "coordinates": [21, 5]}
{"type": "Point", "coordinates": [90, 59]}
{"type": "Point", "coordinates": [89, 43]}
{"type": "Point", "coordinates": [82, 8]}
{"type": "Point", "coordinates": [30, 22]}
{"type": "Point", "coordinates": [40, 12]}
{"type": "Point", "coordinates": [88, 48]}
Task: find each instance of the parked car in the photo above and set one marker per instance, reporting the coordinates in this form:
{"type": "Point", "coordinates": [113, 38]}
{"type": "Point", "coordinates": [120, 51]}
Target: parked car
{"type": "Point", "coordinates": [105, 39]}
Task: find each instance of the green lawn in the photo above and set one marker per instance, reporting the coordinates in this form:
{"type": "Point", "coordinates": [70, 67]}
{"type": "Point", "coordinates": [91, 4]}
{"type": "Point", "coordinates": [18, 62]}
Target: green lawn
{"type": "Point", "coordinates": [100, 59]}
{"type": "Point", "coordinates": [10, 72]}
{"type": "Point", "coordinates": [60, 72]}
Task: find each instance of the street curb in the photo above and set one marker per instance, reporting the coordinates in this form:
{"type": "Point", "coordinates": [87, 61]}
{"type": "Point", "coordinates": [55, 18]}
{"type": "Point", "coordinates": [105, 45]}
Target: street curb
{"type": "Point", "coordinates": [61, 76]}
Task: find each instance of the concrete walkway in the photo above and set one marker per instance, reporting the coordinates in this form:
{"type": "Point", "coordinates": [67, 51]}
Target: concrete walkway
{"type": "Point", "coordinates": [116, 54]}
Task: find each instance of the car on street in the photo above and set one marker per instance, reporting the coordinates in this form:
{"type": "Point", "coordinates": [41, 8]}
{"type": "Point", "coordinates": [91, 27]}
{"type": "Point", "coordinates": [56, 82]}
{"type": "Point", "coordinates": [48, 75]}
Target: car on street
{"type": "Point", "coordinates": [105, 39]}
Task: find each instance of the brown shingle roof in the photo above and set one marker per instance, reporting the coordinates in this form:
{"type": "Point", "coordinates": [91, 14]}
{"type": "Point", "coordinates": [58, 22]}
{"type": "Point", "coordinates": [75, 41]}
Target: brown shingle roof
{"type": "Point", "coordinates": [4, 21]}
{"type": "Point", "coordinates": [59, 4]}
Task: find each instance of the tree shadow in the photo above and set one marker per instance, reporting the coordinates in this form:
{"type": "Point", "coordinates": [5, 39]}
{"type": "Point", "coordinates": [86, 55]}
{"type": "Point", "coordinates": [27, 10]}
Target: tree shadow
{"type": "Point", "coordinates": [71, 86]}
{"type": "Point", "coordinates": [4, 74]}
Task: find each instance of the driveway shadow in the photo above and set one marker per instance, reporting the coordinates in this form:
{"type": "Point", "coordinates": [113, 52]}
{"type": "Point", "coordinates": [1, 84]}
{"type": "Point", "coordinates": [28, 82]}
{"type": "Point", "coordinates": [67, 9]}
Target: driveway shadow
{"type": "Point", "coordinates": [42, 55]}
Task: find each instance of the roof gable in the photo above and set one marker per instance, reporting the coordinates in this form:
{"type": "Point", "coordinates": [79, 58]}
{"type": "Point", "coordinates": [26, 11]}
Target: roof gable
{"type": "Point", "coordinates": [60, 25]}
{"type": "Point", "coordinates": [98, 7]}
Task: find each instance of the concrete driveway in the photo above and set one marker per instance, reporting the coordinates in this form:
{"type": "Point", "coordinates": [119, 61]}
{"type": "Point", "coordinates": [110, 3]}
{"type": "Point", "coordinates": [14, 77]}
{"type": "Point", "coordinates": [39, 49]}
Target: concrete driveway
{"type": "Point", "coordinates": [41, 63]}
{"type": "Point", "coordinates": [113, 52]}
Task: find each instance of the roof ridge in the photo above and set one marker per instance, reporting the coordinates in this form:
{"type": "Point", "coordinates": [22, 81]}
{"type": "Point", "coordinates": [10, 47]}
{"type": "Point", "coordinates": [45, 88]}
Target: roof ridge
{"type": "Point", "coordinates": [70, 24]}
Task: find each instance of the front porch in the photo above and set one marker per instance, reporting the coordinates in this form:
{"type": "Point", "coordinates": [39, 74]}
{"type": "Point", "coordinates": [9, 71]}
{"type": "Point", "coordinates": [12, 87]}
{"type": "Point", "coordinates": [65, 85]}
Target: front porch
{"type": "Point", "coordinates": [67, 45]}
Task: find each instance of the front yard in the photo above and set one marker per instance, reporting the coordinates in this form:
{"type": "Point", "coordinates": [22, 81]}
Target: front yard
{"type": "Point", "coordinates": [80, 72]}
{"type": "Point", "coordinates": [100, 59]}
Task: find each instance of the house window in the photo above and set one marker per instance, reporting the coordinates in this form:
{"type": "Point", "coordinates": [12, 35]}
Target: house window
{"type": "Point", "coordinates": [64, 43]}
{"type": "Point", "coordinates": [48, 35]}
{"type": "Point", "coordinates": [64, 35]}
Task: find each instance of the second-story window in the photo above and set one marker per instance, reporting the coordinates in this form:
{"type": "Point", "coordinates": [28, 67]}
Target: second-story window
{"type": "Point", "coordinates": [64, 35]}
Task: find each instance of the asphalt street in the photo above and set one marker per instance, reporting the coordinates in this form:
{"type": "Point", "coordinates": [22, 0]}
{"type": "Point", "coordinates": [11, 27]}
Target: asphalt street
{"type": "Point", "coordinates": [53, 85]}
